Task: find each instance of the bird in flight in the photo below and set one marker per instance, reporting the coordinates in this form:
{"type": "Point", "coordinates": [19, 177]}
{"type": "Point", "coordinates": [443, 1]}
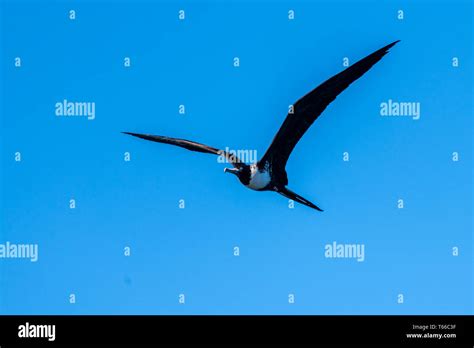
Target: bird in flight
{"type": "Point", "coordinates": [269, 174]}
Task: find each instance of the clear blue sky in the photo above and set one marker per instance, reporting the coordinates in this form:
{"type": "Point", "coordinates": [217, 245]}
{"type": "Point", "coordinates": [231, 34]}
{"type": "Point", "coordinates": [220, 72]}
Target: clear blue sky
{"type": "Point", "coordinates": [407, 251]}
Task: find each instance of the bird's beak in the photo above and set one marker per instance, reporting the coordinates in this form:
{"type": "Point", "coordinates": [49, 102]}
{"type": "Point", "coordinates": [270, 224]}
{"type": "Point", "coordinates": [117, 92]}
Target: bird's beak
{"type": "Point", "coordinates": [234, 171]}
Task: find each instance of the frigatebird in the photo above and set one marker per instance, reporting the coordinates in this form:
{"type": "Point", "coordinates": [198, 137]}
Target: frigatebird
{"type": "Point", "coordinates": [269, 174]}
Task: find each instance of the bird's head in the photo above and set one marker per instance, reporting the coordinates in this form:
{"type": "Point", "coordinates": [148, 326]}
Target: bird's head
{"type": "Point", "coordinates": [242, 172]}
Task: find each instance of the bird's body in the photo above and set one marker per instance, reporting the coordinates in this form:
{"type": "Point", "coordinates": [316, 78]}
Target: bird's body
{"type": "Point", "coordinates": [269, 173]}
{"type": "Point", "coordinates": [260, 179]}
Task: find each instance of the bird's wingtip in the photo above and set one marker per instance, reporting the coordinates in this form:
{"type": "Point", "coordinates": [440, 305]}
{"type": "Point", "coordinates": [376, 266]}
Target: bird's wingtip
{"type": "Point", "coordinates": [386, 48]}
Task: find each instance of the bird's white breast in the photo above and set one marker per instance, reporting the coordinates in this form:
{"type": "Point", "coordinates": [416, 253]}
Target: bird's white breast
{"type": "Point", "coordinates": [258, 179]}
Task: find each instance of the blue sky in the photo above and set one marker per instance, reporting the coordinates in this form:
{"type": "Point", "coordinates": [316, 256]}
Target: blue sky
{"type": "Point", "coordinates": [190, 251]}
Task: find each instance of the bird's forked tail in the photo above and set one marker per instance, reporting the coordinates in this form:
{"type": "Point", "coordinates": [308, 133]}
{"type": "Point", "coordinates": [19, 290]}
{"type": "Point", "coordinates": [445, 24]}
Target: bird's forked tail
{"type": "Point", "coordinates": [291, 195]}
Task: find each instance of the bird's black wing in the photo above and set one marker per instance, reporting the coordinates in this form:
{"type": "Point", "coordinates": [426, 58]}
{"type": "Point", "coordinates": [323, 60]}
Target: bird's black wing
{"type": "Point", "coordinates": [190, 145]}
{"type": "Point", "coordinates": [307, 109]}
